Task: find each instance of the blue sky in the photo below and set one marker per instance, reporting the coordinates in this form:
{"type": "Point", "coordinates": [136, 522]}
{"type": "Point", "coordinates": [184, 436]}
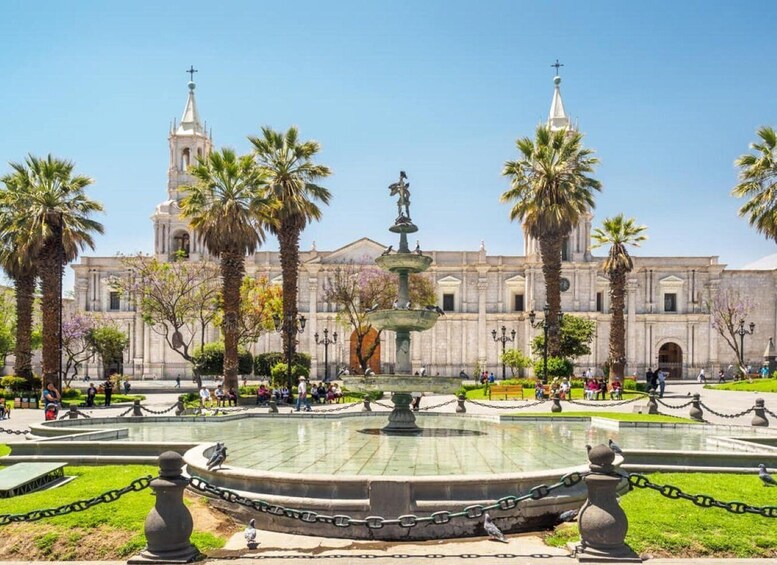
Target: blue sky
{"type": "Point", "coordinates": [667, 93]}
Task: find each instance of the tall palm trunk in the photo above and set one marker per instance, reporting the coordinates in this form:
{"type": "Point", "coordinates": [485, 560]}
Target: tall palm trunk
{"type": "Point", "coordinates": [232, 271]}
{"type": "Point", "coordinates": [618, 324]}
{"type": "Point", "coordinates": [51, 283]}
{"type": "Point", "coordinates": [25, 298]}
{"type": "Point", "coordinates": [550, 252]}
{"type": "Point", "coordinates": [288, 242]}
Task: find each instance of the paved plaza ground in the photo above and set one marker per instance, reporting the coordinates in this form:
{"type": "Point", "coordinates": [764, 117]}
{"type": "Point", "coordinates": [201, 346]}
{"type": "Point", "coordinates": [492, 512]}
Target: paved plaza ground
{"type": "Point", "coordinates": [520, 549]}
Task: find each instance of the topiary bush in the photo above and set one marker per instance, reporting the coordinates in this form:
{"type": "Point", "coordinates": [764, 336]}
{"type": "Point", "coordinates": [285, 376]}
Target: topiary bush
{"type": "Point", "coordinates": [557, 367]}
{"type": "Point", "coordinates": [264, 362]}
{"type": "Point", "coordinates": [209, 360]}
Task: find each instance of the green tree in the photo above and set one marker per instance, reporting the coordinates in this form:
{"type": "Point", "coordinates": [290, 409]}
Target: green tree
{"type": "Point", "coordinates": [618, 232]}
{"type": "Point", "coordinates": [18, 262]}
{"type": "Point", "coordinates": [7, 324]}
{"type": "Point", "coordinates": [516, 360]}
{"type": "Point", "coordinates": [575, 340]}
{"type": "Point", "coordinates": [355, 289]}
{"type": "Point", "coordinates": [557, 367]}
{"type": "Point", "coordinates": [287, 164]}
{"type": "Point", "coordinates": [260, 300]}
{"type": "Point", "coordinates": [109, 342]}
{"type": "Point", "coordinates": [209, 359]}
{"type": "Point", "coordinates": [551, 190]}
{"type": "Point", "coordinates": [54, 223]}
{"type": "Point", "coordinates": [228, 207]}
{"type": "Point", "coordinates": [758, 183]}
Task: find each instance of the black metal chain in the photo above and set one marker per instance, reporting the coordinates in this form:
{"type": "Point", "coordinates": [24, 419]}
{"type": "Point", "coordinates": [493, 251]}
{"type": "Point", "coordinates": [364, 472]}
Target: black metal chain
{"type": "Point", "coordinates": [605, 403]}
{"type": "Point", "coordinates": [721, 415]}
{"type": "Point", "coordinates": [772, 414]}
{"type": "Point", "coordinates": [673, 406]}
{"type": "Point", "coordinates": [78, 506]}
{"type": "Point", "coordinates": [339, 408]}
{"type": "Point", "coordinates": [15, 432]}
{"type": "Point", "coordinates": [637, 480]}
{"type": "Point", "coordinates": [382, 404]}
{"type": "Point", "coordinates": [127, 411]}
{"type": "Point", "coordinates": [159, 412]}
{"type": "Point", "coordinates": [441, 404]}
{"type": "Point", "coordinates": [472, 512]}
{"type": "Point", "coordinates": [509, 407]}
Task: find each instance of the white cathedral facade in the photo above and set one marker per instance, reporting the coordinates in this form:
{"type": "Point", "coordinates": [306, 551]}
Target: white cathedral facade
{"type": "Point", "coordinates": [666, 320]}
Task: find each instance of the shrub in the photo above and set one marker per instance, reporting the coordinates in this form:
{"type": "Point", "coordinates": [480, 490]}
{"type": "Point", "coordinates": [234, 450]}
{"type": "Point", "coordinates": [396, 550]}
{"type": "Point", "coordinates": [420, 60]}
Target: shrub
{"type": "Point", "coordinates": [209, 360]}
{"type": "Point", "coordinates": [557, 367]}
{"type": "Point", "coordinates": [279, 375]}
{"type": "Point", "coordinates": [264, 362]}
{"type": "Point", "coordinates": [15, 384]}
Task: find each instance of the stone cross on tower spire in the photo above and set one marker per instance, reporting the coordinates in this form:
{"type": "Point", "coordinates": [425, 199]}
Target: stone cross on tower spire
{"type": "Point", "coordinates": [190, 121]}
{"type": "Point", "coordinates": [557, 119]}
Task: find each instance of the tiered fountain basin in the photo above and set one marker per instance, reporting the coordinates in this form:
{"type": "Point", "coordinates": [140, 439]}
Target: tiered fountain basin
{"type": "Point", "coordinates": [403, 320]}
{"type": "Point", "coordinates": [331, 464]}
{"type": "Point", "coordinates": [408, 262]}
{"type": "Point", "coordinates": [402, 383]}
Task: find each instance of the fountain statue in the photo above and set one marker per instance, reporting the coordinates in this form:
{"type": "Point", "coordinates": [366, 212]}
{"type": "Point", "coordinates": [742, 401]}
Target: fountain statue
{"type": "Point", "coordinates": [402, 319]}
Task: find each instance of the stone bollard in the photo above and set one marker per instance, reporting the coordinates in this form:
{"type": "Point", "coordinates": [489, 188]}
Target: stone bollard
{"type": "Point", "coordinates": [179, 407]}
{"type": "Point", "coordinates": [556, 403]}
{"type": "Point", "coordinates": [169, 524]}
{"type": "Point", "coordinates": [273, 406]}
{"type": "Point", "coordinates": [602, 522]}
{"type": "Point", "coordinates": [652, 405]}
{"type": "Point", "coordinates": [72, 412]}
{"type": "Point", "coordinates": [696, 412]}
{"type": "Point", "coordinates": [136, 408]}
{"type": "Point", "coordinates": [759, 418]}
{"type": "Point", "coordinates": [460, 408]}
{"type": "Point", "coordinates": [366, 407]}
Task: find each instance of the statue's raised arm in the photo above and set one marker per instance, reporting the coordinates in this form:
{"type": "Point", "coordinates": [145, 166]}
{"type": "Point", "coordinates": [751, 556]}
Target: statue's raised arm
{"type": "Point", "coordinates": [402, 189]}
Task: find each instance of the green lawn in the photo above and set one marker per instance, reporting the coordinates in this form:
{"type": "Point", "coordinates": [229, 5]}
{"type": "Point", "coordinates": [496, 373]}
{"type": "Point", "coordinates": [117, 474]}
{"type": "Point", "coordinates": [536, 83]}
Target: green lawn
{"type": "Point", "coordinates": [663, 527]}
{"type": "Point", "coordinates": [620, 416]}
{"type": "Point", "coordinates": [528, 394]}
{"type": "Point", "coordinates": [758, 385]}
{"type": "Point", "coordinates": [63, 536]}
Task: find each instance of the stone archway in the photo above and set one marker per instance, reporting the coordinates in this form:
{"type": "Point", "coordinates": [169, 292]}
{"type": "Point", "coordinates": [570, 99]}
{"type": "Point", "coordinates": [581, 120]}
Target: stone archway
{"type": "Point", "coordinates": [670, 358]}
{"type": "Point", "coordinates": [369, 339]}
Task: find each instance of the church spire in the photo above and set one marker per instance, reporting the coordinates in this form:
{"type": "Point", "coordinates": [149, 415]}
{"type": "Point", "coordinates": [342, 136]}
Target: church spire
{"type": "Point", "coordinates": [190, 121]}
{"type": "Point", "coordinates": [557, 119]}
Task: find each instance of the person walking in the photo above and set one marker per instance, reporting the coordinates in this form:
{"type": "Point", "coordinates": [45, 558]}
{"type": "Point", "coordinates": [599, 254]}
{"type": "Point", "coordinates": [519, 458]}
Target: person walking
{"type": "Point", "coordinates": [178, 381]}
{"type": "Point", "coordinates": [701, 378]}
{"type": "Point", "coordinates": [661, 382]}
{"type": "Point", "coordinates": [302, 394]}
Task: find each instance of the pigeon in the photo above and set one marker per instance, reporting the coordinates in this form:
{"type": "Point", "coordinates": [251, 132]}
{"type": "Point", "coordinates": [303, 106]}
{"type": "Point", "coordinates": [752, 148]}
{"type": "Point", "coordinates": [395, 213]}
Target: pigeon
{"type": "Point", "coordinates": [408, 305]}
{"type": "Point", "coordinates": [417, 247]}
{"type": "Point", "coordinates": [568, 516]}
{"type": "Point", "coordinates": [422, 372]}
{"type": "Point", "coordinates": [388, 250]}
{"type": "Point", "coordinates": [395, 305]}
{"type": "Point", "coordinates": [491, 529]}
{"type": "Point", "coordinates": [588, 448]}
{"type": "Point", "coordinates": [369, 372]}
{"type": "Point", "coordinates": [215, 454]}
{"type": "Point", "coordinates": [402, 175]}
{"type": "Point", "coordinates": [439, 310]}
{"type": "Point", "coordinates": [373, 308]}
{"type": "Point", "coordinates": [341, 371]}
{"type": "Point", "coordinates": [217, 460]}
{"type": "Point", "coordinates": [250, 534]}
{"type": "Point", "coordinates": [765, 477]}
{"type": "Point", "coordinates": [615, 447]}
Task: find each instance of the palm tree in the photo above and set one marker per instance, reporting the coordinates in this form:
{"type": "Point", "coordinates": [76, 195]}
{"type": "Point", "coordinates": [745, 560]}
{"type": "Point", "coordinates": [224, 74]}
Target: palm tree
{"type": "Point", "coordinates": [758, 182]}
{"type": "Point", "coordinates": [618, 232]}
{"type": "Point", "coordinates": [20, 267]}
{"type": "Point", "coordinates": [54, 227]}
{"type": "Point", "coordinates": [551, 191]}
{"type": "Point", "coordinates": [228, 207]}
{"type": "Point", "coordinates": [290, 171]}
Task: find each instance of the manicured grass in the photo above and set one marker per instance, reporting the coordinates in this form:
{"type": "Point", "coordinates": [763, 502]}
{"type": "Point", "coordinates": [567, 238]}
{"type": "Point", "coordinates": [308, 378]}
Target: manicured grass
{"type": "Point", "coordinates": [4, 450]}
{"type": "Point", "coordinates": [620, 416]}
{"type": "Point", "coordinates": [663, 527]}
{"type": "Point", "coordinates": [758, 385]}
{"type": "Point", "coordinates": [528, 394]}
{"type": "Point", "coordinates": [62, 537]}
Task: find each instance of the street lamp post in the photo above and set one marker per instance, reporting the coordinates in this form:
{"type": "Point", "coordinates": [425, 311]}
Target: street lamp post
{"type": "Point", "coordinates": [326, 342]}
{"type": "Point", "coordinates": [504, 339]}
{"type": "Point", "coordinates": [545, 326]}
{"type": "Point", "coordinates": [742, 332]}
{"type": "Point", "coordinates": [289, 325]}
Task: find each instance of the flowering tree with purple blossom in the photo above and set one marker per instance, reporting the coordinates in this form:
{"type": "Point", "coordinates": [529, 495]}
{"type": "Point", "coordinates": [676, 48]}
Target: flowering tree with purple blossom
{"type": "Point", "coordinates": [76, 328]}
{"type": "Point", "coordinates": [727, 307]}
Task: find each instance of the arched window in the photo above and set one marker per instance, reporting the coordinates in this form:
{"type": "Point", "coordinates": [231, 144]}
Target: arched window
{"type": "Point", "coordinates": [185, 159]}
{"type": "Point", "coordinates": [181, 245]}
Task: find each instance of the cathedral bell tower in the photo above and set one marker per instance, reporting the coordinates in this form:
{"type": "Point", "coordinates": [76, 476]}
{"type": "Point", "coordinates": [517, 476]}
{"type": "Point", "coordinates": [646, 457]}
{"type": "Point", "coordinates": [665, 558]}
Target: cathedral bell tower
{"type": "Point", "coordinates": [188, 141]}
{"type": "Point", "coordinates": [577, 247]}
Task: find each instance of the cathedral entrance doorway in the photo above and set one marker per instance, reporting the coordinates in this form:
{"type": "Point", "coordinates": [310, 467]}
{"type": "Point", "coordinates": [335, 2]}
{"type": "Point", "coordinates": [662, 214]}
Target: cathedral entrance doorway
{"type": "Point", "coordinates": [670, 358]}
{"type": "Point", "coordinates": [369, 339]}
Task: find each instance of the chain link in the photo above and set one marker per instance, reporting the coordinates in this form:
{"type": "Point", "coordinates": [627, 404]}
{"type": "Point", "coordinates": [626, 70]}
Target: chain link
{"type": "Point", "coordinates": [510, 407]}
{"type": "Point", "coordinates": [127, 411]}
{"type": "Point", "coordinates": [637, 480]}
{"type": "Point", "coordinates": [78, 506]}
{"type": "Point", "coordinates": [15, 432]}
{"type": "Point", "coordinates": [472, 512]}
{"type": "Point", "coordinates": [673, 406]}
{"type": "Point", "coordinates": [159, 412]}
{"type": "Point", "coordinates": [772, 414]}
{"type": "Point", "coordinates": [605, 403]}
{"type": "Point", "coordinates": [382, 404]}
{"type": "Point", "coordinates": [441, 404]}
{"type": "Point", "coordinates": [721, 415]}
{"type": "Point", "coordinates": [338, 408]}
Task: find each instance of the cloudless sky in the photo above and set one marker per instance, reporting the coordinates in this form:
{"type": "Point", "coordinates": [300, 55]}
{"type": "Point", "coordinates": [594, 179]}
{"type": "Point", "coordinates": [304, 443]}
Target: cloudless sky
{"type": "Point", "coordinates": [667, 93]}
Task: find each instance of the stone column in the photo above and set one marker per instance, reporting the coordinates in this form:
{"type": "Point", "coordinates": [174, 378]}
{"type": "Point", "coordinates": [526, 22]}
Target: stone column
{"type": "Point", "coordinates": [169, 524]}
{"type": "Point", "coordinates": [482, 329]}
{"type": "Point", "coordinates": [312, 326]}
{"type": "Point", "coordinates": [631, 325]}
{"type": "Point", "coordinates": [602, 522]}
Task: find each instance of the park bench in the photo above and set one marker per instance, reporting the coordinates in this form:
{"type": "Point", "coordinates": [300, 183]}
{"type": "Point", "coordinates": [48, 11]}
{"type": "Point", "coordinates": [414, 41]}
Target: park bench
{"type": "Point", "coordinates": [27, 477]}
{"type": "Point", "coordinates": [506, 390]}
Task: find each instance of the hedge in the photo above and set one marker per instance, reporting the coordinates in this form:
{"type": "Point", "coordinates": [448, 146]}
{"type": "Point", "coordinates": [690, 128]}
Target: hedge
{"type": "Point", "coordinates": [264, 362]}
